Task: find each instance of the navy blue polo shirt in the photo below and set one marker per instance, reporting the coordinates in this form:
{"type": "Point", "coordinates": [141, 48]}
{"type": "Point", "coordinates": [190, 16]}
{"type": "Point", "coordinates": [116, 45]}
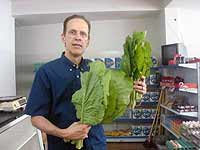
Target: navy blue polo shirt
{"type": "Point", "coordinates": [50, 96]}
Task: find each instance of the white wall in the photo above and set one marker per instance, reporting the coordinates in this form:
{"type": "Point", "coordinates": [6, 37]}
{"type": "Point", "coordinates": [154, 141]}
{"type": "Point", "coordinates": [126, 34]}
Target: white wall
{"type": "Point", "coordinates": [106, 36]}
{"type": "Point", "coordinates": [42, 43]}
{"type": "Point", "coordinates": [172, 24]}
{"type": "Point", "coordinates": [7, 50]}
{"type": "Point", "coordinates": [190, 30]}
{"type": "Point", "coordinates": [182, 26]}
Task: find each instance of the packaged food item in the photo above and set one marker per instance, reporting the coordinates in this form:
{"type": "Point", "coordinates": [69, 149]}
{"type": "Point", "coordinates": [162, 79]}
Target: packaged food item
{"type": "Point", "coordinates": [146, 97]}
{"type": "Point", "coordinates": [146, 130]}
{"type": "Point", "coordinates": [137, 113]}
{"type": "Point", "coordinates": [117, 62]}
{"type": "Point", "coordinates": [146, 113]}
{"type": "Point", "coordinates": [154, 96]}
{"type": "Point", "coordinates": [137, 131]}
{"type": "Point", "coordinates": [109, 62]}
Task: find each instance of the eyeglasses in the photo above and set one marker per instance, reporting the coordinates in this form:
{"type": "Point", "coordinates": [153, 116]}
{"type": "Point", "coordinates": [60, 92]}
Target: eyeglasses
{"type": "Point", "coordinates": [75, 33]}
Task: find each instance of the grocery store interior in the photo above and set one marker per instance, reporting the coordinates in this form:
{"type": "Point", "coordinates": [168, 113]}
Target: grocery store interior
{"type": "Point", "coordinates": [166, 117]}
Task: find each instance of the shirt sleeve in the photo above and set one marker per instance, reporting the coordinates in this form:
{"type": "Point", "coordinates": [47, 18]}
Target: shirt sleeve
{"type": "Point", "coordinates": [39, 100]}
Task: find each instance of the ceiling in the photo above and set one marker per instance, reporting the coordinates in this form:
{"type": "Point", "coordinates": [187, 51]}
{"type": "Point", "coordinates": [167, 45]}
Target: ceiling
{"type": "Point", "coordinates": [185, 4]}
{"type": "Point", "coordinates": [39, 19]}
{"type": "Point", "coordinates": [37, 12]}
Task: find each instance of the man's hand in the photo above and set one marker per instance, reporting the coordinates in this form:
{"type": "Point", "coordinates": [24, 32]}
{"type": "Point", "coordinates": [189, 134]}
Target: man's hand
{"type": "Point", "coordinates": [140, 86]}
{"type": "Point", "coordinates": [73, 132]}
{"type": "Point", "coordinates": [76, 131]}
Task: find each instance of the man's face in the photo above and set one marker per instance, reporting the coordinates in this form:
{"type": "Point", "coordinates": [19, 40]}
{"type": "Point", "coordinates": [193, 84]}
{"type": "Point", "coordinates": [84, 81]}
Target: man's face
{"type": "Point", "coordinates": [76, 38]}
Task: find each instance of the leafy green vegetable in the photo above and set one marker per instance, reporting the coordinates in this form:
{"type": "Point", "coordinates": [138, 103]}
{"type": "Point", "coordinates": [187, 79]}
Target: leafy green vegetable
{"type": "Point", "coordinates": [90, 101]}
{"type": "Point", "coordinates": [103, 97]}
{"type": "Point", "coordinates": [118, 99]}
{"type": "Point", "coordinates": [136, 60]}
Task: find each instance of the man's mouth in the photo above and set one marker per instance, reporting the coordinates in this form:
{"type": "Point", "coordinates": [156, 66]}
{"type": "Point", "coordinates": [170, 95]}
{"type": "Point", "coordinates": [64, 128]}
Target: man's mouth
{"type": "Point", "coordinates": [77, 45]}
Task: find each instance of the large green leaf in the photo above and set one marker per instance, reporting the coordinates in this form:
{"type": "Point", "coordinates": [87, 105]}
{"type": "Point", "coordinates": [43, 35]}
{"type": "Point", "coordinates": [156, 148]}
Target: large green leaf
{"type": "Point", "coordinates": [89, 100]}
{"type": "Point", "coordinates": [120, 89]}
{"type": "Point", "coordinates": [125, 65]}
{"type": "Point", "coordinates": [106, 86]}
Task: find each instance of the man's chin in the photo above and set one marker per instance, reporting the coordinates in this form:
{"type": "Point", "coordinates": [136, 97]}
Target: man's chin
{"type": "Point", "coordinates": [78, 54]}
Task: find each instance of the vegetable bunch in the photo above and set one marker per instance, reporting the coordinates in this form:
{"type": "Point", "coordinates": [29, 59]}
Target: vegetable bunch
{"type": "Point", "coordinates": [103, 97]}
{"type": "Point", "coordinates": [136, 60]}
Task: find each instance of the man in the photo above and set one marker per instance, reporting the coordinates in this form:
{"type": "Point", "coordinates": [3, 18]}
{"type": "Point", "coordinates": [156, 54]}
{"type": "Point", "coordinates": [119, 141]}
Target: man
{"type": "Point", "coordinates": [49, 103]}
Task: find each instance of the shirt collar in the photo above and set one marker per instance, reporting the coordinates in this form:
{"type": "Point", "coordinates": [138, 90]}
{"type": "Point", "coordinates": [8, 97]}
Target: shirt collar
{"type": "Point", "coordinates": [68, 62]}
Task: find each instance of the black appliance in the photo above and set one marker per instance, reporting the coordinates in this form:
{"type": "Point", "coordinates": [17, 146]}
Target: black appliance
{"type": "Point", "coordinates": [169, 51]}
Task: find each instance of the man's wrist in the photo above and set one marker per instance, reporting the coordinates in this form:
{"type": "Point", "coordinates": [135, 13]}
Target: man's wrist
{"type": "Point", "coordinates": [59, 133]}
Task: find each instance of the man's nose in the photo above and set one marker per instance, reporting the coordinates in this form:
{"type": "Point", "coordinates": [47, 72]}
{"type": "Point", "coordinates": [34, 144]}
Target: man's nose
{"type": "Point", "coordinates": [78, 36]}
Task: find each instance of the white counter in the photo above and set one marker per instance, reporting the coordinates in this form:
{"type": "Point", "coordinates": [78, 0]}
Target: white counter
{"type": "Point", "coordinates": [20, 135]}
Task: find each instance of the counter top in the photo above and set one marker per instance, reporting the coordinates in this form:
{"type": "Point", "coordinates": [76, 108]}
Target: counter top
{"type": "Point", "coordinates": [7, 117]}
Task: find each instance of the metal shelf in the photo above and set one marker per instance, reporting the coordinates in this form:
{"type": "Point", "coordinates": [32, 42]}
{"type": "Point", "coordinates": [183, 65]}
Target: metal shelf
{"type": "Point", "coordinates": [188, 90]}
{"type": "Point", "coordinates": [172, 132]}
{"type": "Point", "coordinates": [147, 104]}
{"type": "Point", "coordinates": [126, 139]}
{"type": "Point", "coordinates": [134, 120]}
{"type": "Point", "coordinates": [189, 66]}
{"type": "Point", "coordinates": [189, 114]}
{"type": "Point", "coordinates": [153, 86]}
{"type": "Point", "coordinates": [181, 136]}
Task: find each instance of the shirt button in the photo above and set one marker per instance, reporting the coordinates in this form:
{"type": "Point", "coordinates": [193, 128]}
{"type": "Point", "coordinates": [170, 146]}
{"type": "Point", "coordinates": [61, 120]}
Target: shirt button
{"type": "Point", "coordinates": [74, 65]}
{"type": "Point", "coordinates": [77, 76]}
{"type": "Point", "coordinates": [70, 69]}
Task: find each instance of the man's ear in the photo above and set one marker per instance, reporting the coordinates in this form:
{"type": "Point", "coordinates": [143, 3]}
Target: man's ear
{"type": "Point", "coordinates": [88, 41]}
{"type": "Point", "coordinates": [63, 38]}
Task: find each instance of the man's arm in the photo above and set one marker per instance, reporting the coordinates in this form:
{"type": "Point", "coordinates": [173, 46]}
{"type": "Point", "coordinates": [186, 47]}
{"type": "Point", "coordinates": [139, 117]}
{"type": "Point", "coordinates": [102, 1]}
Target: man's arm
{"type": "Point", "coordinates": [73, 132]}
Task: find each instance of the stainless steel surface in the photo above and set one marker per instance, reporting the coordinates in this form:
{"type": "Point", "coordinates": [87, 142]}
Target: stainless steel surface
{"type": "Point", "coordinates": [11, 124]}
{"type": "Point", "coordinates": [20, 135]}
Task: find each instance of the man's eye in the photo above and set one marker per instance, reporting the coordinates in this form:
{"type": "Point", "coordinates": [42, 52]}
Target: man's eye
{"type": "Point", "coordinates": [83, 34]}
{"type": "Point", "coordinates": [72, 32]}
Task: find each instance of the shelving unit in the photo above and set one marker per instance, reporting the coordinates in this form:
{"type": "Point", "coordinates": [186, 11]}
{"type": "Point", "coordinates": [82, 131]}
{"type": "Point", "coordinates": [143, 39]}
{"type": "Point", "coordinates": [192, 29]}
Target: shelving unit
{"type": "Point", "coordinates": [189, 66]}
{"type": "Point", "coordinates": [188, 90]}
{"type": "Point", "coordinates": [148, 104]}
{"type": "Point", "coordinates": [172, 132]}
{"type": "Point", "coordinates": [189, 114]}
{"type": "Point", "coordinates": [134, 120]}
{"type": "Point", "coordinates": [195, 92]}
{"type": "Point", "coordinates": [126, 139]}
{"type": "Point", "coordinates": [138, 122]}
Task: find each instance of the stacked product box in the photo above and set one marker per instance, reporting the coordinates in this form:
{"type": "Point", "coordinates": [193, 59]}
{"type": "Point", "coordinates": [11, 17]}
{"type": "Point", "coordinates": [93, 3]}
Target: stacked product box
{"type": "Point", "coordinates": [179, 144]}
{"type": "Point", "coordinates": [151, 97]}
{"type": "Point", "coordinates": [110, 62]}
{"type": "Point", "coordinates": [191, 131]}
{"type": "Point", "coordinates": [173, 122]}
{"type": "Point", "coordinates": [141, 130]}
{"type": "Point", "coordinates": [144, 113]}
